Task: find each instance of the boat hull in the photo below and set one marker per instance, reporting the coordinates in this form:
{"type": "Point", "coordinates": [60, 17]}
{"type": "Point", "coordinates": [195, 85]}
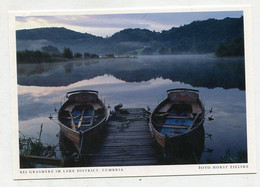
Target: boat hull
{"type": "Point", "coordinates": [185, 149]}
{"type": "Point", "coordinates": [73, 136]}
{"type": "Point", "coordinates": [89, 123]}
{"type": "Point", "coordinates": [83, 141]}
{"type": "Point", "coordinates": [188, 144]}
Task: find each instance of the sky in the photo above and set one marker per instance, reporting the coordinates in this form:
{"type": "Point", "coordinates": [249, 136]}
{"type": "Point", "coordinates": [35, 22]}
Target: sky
{"type": "Point", "coordinates": [107, 25]}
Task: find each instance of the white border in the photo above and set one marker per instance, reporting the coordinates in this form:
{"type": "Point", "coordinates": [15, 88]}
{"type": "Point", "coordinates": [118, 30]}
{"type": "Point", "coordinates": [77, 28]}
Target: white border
{"type": "Point", "coordinates": [126, 171]}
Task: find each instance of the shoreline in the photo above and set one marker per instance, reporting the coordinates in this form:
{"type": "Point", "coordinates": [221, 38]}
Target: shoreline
{"type": "Point", "coordinates": [61, 60]}
{"type": "Point", "coordinates": [72, 60]}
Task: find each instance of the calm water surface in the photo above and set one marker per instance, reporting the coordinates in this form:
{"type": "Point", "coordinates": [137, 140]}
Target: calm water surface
{"type": "Point", "coordinates": [140, 82]}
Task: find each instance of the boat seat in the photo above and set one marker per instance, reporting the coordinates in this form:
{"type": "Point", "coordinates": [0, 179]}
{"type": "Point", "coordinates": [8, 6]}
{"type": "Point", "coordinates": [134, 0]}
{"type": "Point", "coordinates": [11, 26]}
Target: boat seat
{"type": "Point", "coordinates": [173, 131]}
{"type": "Point", "coordinates": [166, 107]}
{"type": "Point", "coordinates": [179, 117]}
{"type": "Point", "coordinates": [96, 106]}
{"type": "Point", "coordinates": [90, 116]}
{"type": "Point", "coordinates": [186, 122]}
{"type": "Point", "coordinates": [86, 125]}
{"type": "Point", "coordinates": [70, 107]}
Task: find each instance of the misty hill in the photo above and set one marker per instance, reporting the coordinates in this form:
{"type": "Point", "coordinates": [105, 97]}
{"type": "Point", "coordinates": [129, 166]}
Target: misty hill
{"type": "Point", "coordinates": [137, 35]}
{"type": "Point", "coordinates": [196, 37]}
{"type": "Point", "coordinates": [203, 36]}
{"type": "Point", "coordinates": [54, 34]}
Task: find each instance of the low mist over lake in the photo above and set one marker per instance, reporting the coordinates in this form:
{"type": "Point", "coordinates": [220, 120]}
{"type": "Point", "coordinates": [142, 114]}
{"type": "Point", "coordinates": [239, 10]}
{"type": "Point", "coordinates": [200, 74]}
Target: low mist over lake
{"type": "Point", "coordinates": [140, 82]}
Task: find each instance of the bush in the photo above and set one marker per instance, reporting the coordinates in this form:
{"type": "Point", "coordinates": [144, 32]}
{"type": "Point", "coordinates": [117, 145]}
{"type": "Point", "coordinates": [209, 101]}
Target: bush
{"type": "Point", "coordinates": [88, 55]}
{"type": "Point", "coordinates": [78, 55]}
{"type": "Point", "coordinates": [32, 56]}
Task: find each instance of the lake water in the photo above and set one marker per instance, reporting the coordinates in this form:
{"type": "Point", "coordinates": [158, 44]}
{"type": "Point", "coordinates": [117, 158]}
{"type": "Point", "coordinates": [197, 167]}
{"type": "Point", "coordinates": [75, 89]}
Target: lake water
{"type": "Point", "coordinates": [140, 82]}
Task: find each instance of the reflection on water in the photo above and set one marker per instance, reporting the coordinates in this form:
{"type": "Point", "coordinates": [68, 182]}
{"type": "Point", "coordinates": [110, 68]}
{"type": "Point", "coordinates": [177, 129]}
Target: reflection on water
{"type": "Point", "coordinates": [196, 70]}
{"type": "Point", "coordinates": [140, 82]}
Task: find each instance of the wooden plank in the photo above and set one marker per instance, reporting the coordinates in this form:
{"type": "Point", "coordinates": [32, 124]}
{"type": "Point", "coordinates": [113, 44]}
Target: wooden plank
{"type": "Point", "coordinates": [128, 141]}
{"type": "Point", "coordinates": [139, 127]}
{"type": "Point", "coordinates": [125, 163]}
{"type": "Point", "coordinates": [130, 125]}
{"type": "Point", "coordinates": [127, 136]}
{"type": "Point", "coordinates": [112, 149]}
{"type": "Point", "coordinates": [125, 143]}
{"type": "Point", "coordinates": [134, 110]}
{"type": "Point", "coordinates": [126, 131]}
{"type": "Point", "coordinates": [120, 152]}
{"type": "Point", "coordinates": [121, 131]}
{"type": "Point", "coordinates": [124, 158]}
{"type": "Point", "coordinates": [124, 134]}
{"type": "Point", "coordinates": [106, 152]}
{"type": "Point", "coordinates": [140, 123]}
{"type": "Point", "coordinates": [179, 117]}
{"type": "Point", "coordinates": [174, 126]}
{"type": "Point", "coordinates": [129, 133]}
{"type": "Point", "coordinates": [130, 146]}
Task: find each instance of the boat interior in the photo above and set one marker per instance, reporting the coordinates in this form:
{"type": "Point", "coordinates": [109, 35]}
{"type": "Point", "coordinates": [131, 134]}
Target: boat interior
{"type": "Point", "coordinates": [82, 116]}
{"type": "Point", "coordinates": [176, 118]}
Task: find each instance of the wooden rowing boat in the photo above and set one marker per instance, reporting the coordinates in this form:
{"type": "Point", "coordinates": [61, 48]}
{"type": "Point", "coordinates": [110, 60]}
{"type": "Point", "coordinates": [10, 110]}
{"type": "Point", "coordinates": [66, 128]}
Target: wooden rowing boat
{"type": "Point", "coordinates": [82, 118]}
{"type": "Point", "coordinates": [177, 123]}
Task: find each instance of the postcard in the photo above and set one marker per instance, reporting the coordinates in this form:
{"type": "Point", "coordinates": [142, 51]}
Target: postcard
{"type": "Point", "coordinates": [119, 93]}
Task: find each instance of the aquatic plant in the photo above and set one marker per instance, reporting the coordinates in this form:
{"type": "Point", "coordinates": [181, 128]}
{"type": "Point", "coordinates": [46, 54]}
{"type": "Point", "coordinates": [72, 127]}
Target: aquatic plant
{"type": "Point", "coordinates": [238, 157]}
{"type": "Point", "coordinates": [30, 146]}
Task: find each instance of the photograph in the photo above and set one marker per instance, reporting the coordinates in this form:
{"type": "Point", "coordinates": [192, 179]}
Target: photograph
{"type": "Point", "coordinates": [109, 94]}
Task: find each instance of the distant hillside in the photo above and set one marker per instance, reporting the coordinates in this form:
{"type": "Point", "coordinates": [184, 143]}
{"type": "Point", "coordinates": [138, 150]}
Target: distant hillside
{"type": "Point", "coordinates": [54, 34]}
{"type": "Point", "coordinates": [137, 35]}
{"type": "Point", "coordinates": [203, 36]}
{"type": "Point", "coordinates": [196, 37]}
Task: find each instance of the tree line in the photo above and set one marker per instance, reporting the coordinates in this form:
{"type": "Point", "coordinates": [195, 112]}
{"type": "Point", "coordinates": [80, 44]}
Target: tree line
{"type": "Point", "coordinates": [50, 54]}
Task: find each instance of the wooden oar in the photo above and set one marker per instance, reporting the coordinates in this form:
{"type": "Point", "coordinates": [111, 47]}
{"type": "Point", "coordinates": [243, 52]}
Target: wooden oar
{"type": "Point", "coordinates": [92, 117]}
{"type": "Point", "coordinates": [81, 119]}
{"type": "Point", "coordinates": [73, 126]}
{"type": "Point", "coordinates": [163, 114]}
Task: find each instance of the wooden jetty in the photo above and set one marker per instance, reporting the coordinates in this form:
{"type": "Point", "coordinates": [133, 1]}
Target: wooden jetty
{"type": "Point", "coordinates": [128, 141]}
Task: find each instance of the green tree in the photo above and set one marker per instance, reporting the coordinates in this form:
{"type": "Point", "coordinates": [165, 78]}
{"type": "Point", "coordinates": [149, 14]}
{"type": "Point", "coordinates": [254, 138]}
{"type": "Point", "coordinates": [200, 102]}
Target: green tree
{"type": "Point", "coordinates": [163, 51]}
{"type": "Point", "coordinates": [87, 55]}
{"type": "Point", "coordinates": [67, 53]}
{"type": "Point", "coordinates": [29, 56]}
{"type": "Point", "coordinates": [78, 55]}
{"type": "Point", "coordinates": [231, 48]}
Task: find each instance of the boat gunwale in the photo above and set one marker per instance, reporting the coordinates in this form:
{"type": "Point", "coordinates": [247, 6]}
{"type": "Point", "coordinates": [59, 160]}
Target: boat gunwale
{"type": "Point", "coordinates": [81, 91]}
{"type": "Point", "coordinates": [182, 89]}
